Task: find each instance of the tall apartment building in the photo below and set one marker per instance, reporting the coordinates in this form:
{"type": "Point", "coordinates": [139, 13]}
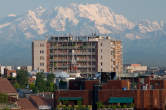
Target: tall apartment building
{"type": "Point", "coordinates": [78, 54]}
{"type": "Point", "coordinates": [39, 55]}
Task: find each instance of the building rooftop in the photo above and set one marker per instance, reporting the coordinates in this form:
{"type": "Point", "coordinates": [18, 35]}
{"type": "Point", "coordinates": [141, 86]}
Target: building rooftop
{"type": "Point", "coordinates": [38, 100]}
{"type": "Point", "coordinates": [26, 104]}
{"type": "Point", "coordinates": [6, 87]}
{"type": "Point", "coordinates": [79, 38]}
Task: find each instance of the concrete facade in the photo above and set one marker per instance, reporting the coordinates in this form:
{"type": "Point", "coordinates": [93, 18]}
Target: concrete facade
{"type": "Point", "coordinates": [88, 54]}
{"type": "Point", "coordinates": [109, 55]}
{"type": "Point", "coordinates": [39, 55]}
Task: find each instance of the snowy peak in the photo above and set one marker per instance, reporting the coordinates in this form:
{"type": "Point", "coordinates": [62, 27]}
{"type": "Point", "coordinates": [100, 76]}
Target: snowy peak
{"type": "Point", "coordinates": [102, 15]}
{"type": "Point", "coordinates": [145, 37]}
{"type": "Point", "coordinates": [77, 18]}
{"type": "Point", "coordinates": [11, 15]}
{"type": "Point", "coordinates": [150, 26]}
{"type": "Point", "coordinates": [74, 17]}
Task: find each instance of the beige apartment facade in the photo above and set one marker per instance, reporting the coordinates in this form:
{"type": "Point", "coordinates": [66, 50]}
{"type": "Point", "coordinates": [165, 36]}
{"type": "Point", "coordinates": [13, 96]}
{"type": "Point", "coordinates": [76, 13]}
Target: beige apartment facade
{"type": "Point", "coordinates": [80, 54]}
{"type": "Point", "coordinates": [39, 55]}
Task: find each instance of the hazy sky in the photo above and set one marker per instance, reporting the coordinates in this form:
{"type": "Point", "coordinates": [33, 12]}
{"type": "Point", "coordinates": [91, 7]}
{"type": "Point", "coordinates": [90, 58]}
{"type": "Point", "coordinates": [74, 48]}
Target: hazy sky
{"type": "Point", "coordinates": [132, 9]}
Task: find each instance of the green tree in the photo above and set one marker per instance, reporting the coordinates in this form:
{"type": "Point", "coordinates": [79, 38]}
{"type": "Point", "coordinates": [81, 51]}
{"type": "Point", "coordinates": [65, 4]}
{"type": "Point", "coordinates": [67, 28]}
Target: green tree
{"type": "Point", "coordinates": [33, 88]}
{"type": "Point", "coordinates": [99, 105]}
{"type": "Point", "coordinates": [50, 86]}
{"type": "Point", "coordinates": [6, 108]}
{"type": "Point", "coordinates": [16, 85]}
{"type": "Point", "coordinates": [40, 82]}
{"type": "Point", "coordinates": [3, 98]}
{"type": "Point", "coordinates": [50, 82]}
{"type": "Point", "coordinates": [22, 78]}
{"type": "Point", "coordinates": [50, 77]}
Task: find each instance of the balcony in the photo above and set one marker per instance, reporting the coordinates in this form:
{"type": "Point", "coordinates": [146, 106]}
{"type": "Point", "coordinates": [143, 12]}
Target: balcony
{"type": "Point", "coordinates": [76, 53]}
{"type": "Point", "coordinates": [60, 53]}
{"type": "Point", "coordinates": [86, 66]}
{"type": "Point", "coordinates": [60, 60]}
{"type": "Point", "coordinates": [73, 47]}
{"type": "Point", "coordinates": [86, 60]}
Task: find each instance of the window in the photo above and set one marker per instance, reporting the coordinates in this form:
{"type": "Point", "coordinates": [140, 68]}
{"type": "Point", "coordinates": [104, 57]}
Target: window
{"type": "Point", "coordinates": [41, 51]}
{"type": "Point", "coordinates": [101, 63]}
{"type": "Point", "coordinates": [101, 44]}
{"type": "Point", "coordinates": [41, 64]}
{"type": "Point", "coordinates": [42, 45]}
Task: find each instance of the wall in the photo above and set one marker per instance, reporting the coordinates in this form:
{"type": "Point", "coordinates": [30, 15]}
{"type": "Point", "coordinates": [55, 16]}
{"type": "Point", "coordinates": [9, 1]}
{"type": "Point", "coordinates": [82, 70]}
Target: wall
{"type": "Point", "coordinates": [143, 99]}
{"type": "Point", "coordinates": [74, 93]}
{"type": "Point", "coordinates": [39, 55]}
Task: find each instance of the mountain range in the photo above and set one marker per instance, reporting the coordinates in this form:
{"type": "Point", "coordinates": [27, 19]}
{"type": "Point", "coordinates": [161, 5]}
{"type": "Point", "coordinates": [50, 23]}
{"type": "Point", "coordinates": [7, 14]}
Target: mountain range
{"type": "Point", "coordinates": [143, 41]}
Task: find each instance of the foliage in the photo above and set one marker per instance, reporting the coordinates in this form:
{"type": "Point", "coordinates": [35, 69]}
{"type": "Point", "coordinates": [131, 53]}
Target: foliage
{"type": "Point", "coordinates": [50, 82]}
{"type": "Point", "coordinates": [114, 107]}
{"type": "Point", "coordinates": [16, 85]}
{"type": "Point", "coordinates": [79, 102]}
{"type": "Point", "coordinates": [54, 64]}
{"type": "Point", "coordinates": [33, 88]}
{"type": "Point", "coordinates": [119, 106]}
{"type": "Point", "coordinates": [73, 44]}
{"type": "Point", "coordinates": [110, 106]}
{"type": "Point", "coordinates": [50, 77]}
{"type": "Point", "coordinates": [79, 106]}
{"type": "Point", "coordinates": [131, 105]}
{"type": "Point", "coordinates": [75, 107]}
{"type": "Point", "coordinates": [40, 83]}
{"type": "Point", "coordinates": [3, 98]}
{"type": "Point", "coordinates": [99, 105]}
{"type": "Point", "coordinates": [22, 78]}
{"type": "Point", "coordinates": [65, 102]}
{"type": "Point", "coordinates": [6, 109]}
{"type": "Point", "coordinates": [124, 106]}
{"type": "Point", "coordinates": [50, 86]}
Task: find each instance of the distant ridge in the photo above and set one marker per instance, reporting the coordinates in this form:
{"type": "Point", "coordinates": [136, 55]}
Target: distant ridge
{"type": "Point", "coordinates": [143, 41]}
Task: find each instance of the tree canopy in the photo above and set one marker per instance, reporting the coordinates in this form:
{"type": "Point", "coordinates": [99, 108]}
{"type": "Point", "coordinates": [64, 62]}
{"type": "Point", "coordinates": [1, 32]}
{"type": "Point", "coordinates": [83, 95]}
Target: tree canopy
{"type": "Point", "coordinates": [22, 78]}
{"type": "Point", "coordinates": [44, 83]}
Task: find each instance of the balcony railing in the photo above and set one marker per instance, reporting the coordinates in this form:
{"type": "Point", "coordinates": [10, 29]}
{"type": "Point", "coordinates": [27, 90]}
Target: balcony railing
{"type": "Point", "coordinates": [69, 60]}
{"type": "Point", "coordinates": [72, 47]}
{"type": "Point", "coordinates": [76, 53]}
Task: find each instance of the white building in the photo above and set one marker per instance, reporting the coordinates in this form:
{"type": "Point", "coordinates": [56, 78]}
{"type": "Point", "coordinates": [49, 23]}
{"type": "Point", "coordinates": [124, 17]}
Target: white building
{"type": "Point", "coordinates": [5, 67]}
{"type": "Point", "coordinates": [133, 68]}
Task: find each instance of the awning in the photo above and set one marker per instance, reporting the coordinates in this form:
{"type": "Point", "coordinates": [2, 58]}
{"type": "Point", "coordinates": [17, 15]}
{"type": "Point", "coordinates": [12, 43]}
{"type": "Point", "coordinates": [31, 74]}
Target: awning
{"type": "Point", "coordinates": [120, 100]}
{"type": "Point", "coordinates": [70, 98]}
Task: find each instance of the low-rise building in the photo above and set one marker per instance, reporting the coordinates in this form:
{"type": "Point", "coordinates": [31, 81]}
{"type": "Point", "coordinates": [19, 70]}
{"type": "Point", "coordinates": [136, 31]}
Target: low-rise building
{"type": "Point", "coordinates": [135, 68]}
{"type": "Point", "coordinates": [7, 88]}
{"type": "Point", "coordinates": [8, 95]}
{"type": "Point", "coordinates": [25, 104]}
{"type": "Point", "coordinates": [40, 103]}
{"type": "Point", "coordinates": [10, 73]}
{"type": "Point", "coordinates": [148, 94]}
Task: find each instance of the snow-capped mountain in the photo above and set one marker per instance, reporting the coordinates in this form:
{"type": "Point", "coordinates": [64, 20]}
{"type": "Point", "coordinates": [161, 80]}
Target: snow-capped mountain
{"type": "Point", "coordinates": [18, 31]}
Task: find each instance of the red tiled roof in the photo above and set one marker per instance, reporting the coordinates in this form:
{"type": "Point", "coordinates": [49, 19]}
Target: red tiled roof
{"type": "Point", "coordinates": [38, 100]}
{"type": "Point", "coordinates": [26, 104]}
{"type": "Point", "coordinates": [6, 87]}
